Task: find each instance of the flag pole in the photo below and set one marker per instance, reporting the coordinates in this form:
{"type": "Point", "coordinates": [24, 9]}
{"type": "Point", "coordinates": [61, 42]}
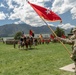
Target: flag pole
{"type": "Point", "coordinates": [56, 36]}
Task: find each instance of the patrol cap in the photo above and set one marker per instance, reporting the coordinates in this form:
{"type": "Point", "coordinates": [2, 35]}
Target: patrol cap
{"type": "Point", "coordinates": [74, 29]}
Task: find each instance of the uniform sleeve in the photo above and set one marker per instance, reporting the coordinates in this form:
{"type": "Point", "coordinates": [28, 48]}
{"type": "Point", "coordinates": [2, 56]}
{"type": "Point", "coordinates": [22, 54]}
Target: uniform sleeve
{"type": "Point", "coordinates": [69, 41]}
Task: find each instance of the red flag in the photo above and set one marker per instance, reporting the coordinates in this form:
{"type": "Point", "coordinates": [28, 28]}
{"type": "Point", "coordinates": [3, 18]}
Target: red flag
{"type": "Point", "coordinates": [45, 13]}
{"type": "Point", "coordinates": [52, 36]}
{"type": "Point", "coordinates": [63, 36]}
{"type": "Point", "coordinates": [30, 32]}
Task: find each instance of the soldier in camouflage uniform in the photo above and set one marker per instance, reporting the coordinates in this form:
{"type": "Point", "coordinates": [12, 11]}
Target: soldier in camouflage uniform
{"type": "Point", "coordinates": [72, 41]}
{"type": "Point", "coordinates": [73, 38]}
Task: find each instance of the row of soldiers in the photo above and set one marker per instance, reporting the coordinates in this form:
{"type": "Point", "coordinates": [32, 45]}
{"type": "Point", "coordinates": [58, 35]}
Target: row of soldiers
{"type": "Point", "coordinates": [24, 37]}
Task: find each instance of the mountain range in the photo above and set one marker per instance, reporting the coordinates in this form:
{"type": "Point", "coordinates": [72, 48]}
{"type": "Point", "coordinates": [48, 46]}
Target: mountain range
{"type": "Point", "coordinates": [12, 29]}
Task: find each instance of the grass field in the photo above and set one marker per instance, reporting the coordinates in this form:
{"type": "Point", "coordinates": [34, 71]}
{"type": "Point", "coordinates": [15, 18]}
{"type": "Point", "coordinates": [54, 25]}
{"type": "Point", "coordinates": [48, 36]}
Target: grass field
{"type": "Point", "coordinates": [42, 60]}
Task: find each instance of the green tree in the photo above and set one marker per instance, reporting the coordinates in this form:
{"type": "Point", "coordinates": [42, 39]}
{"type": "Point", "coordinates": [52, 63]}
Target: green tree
{"type": "Point", "coordinates": [71, 30]}
{"type": "Point", "coordinates": [59, 32]}
{"type": "Point", "coordinates": [17, 35]}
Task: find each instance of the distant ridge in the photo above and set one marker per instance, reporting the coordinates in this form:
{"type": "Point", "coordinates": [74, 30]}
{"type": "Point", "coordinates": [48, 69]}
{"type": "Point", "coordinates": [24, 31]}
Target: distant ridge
{"type": "Point", "coordinates": [12, 29]}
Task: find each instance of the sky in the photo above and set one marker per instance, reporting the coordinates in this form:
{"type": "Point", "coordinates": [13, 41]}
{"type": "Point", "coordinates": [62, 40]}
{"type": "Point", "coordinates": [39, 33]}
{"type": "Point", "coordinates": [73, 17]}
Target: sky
{"type": "Point", "coordinates": [19, 11]}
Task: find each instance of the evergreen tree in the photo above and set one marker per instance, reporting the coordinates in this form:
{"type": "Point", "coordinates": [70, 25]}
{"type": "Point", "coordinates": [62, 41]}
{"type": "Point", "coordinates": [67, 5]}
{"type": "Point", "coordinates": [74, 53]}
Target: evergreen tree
{"type": "Point", "coordinates": [59, 32]}
{"type": "Point", "coordinates": [17, 35]}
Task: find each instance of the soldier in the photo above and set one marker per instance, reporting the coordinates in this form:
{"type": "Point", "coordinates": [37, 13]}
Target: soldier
{"type": "Point", "coordinates": [73, 38]}
{"type": "Point", "coordinates": [72, 41]}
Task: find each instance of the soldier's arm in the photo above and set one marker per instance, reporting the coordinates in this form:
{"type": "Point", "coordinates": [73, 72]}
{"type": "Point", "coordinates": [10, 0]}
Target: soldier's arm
{"type": "Point", "coordinates": [69, 41]}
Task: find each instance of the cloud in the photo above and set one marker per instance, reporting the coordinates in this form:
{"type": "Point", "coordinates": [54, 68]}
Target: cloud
{"type": "Point", "coordinates": [62, 6]}
{"type": "Point", "coordinates": [2, 16]}
{"type": "Point", "coordinates": [73, 11]}
{"type": "Point", "coordinates": [66, 26]}
{"type": "Point", "coordinates": [24, 13]}
{"type": "Point", "coordinates": [2, 5]}
{"type": "Point", "coordinates": [17, 22]}
{"type": "Point", "coordinates": [9, 3]}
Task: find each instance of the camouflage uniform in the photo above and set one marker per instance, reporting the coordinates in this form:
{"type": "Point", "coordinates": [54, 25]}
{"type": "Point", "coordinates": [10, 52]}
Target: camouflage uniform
{"type": "Point", "coordinates": [73, 38]}
{"type": "Point", "coordinates": [72, 41]}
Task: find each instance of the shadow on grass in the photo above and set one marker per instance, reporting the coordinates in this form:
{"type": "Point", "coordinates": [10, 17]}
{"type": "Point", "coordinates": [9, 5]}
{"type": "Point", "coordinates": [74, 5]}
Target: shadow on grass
{"type": "Point", "coordinates": [29, 49]}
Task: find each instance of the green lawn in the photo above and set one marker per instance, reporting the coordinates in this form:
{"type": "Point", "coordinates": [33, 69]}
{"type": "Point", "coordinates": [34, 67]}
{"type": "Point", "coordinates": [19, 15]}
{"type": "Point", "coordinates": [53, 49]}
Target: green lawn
{"type": "Point", "coordinates": [42, 60]}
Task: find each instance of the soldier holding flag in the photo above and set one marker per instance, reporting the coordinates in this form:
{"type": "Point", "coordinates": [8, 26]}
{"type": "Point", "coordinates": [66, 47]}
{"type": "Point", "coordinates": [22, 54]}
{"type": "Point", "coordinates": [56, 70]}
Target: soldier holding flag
{"type": "Point", "coordinates": [72, 41]}
{"type": "Point", "coordinates": [49, 15]}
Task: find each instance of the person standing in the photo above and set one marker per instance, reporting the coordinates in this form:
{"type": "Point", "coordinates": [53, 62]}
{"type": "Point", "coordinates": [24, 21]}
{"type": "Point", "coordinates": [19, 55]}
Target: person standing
{"type": "Point", "coordinates": [72, 41]}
